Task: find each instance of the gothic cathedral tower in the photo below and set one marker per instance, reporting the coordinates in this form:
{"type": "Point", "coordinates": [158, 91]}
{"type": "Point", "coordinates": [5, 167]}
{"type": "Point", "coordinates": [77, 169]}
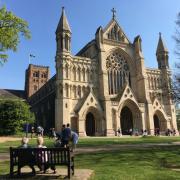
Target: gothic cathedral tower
{"type": "Point", "coordinates": [63, 54]}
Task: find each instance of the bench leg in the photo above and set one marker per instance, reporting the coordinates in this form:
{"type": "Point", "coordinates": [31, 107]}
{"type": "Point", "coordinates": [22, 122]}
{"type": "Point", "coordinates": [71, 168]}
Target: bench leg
{"type": "Point", "coordinates": [72, 165]}
{"type": "Point", "coordinates": [11, 170]}
{"type": "Point", "coordinates": [72, 168]}
{"type": "Point", "coordinates": [33, 169]}
{"type": "Point", "coordinates": [69, 171]}
{"type": "Point", "coordinates": [19, 170]}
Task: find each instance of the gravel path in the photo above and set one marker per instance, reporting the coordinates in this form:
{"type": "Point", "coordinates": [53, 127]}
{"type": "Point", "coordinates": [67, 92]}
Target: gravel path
{"type": "Point", "coordinates": [4, 139]}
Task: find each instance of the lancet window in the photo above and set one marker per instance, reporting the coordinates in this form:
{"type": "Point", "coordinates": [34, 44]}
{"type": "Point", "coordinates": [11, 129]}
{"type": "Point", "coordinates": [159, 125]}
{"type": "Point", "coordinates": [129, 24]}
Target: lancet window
{"type": "Point", "coordinates": [118, 72]}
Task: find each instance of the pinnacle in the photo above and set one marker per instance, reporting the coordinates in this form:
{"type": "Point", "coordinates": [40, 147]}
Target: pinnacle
{"type": "Point", "coordinates": [161, 45]}
{"type": "Point", "coordinates": [63, 22]}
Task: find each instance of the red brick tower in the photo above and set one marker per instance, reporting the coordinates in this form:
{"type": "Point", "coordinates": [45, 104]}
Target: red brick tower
{"type": "Point", "coordinates": [36, 76]}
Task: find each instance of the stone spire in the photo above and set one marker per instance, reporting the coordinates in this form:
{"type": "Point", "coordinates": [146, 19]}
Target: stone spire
{"type": "Point", "coordinates": [63, 23]}
{"type": "Point", "coordinates": [161, 46]}
{"type": "Point", "coordinates": [162, 54]}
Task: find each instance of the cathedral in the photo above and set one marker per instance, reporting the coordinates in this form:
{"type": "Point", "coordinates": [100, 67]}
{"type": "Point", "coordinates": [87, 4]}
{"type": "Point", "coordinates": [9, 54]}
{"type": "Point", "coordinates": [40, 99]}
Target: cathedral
{"type": "Point", "coordinates": [104, 87]}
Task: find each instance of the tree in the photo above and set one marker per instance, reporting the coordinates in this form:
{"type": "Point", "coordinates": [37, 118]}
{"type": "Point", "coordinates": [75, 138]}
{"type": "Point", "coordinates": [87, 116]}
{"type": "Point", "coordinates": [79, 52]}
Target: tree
{"type": "Point", "coordinates": [14, 114]}
{"type": "Point", "coordinates": [11, 27]}
{"type": "Point", "coordinates": [176, 83]}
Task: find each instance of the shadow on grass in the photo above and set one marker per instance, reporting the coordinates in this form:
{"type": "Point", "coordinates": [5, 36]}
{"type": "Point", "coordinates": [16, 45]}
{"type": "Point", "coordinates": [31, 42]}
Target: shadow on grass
{"type": "Point", "coordinates": [165, 164]}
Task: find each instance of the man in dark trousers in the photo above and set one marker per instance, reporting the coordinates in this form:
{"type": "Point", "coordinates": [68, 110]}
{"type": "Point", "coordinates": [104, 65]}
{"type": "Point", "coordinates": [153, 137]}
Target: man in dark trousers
{"type": "Point", "coordinates": [66, 135]}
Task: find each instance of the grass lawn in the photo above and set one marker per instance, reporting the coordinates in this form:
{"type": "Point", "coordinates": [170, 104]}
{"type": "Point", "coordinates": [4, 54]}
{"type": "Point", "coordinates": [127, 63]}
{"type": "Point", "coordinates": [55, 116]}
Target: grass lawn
{"type": "Point", "coordinates": [97, 142]}
{"type": "Point", "coordinates": [139, 164]}
{"type": "Point", "coordinates": [154, 163]}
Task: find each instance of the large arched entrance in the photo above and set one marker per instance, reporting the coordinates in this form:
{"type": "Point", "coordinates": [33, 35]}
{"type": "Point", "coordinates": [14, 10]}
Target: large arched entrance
{"type": "Point", "coordinates": [126, 121]}
{"type": "Point", "coordinates": [156, 122]}
{"type": "Point", "coordinates": [90, 124]}
{"type": "Point", "coordinates": [160, 122]}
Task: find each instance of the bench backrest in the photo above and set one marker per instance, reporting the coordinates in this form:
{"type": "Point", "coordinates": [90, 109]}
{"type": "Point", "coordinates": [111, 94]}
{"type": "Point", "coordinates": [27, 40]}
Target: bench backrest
{"type": "Point", "coordinates": [52, 156]}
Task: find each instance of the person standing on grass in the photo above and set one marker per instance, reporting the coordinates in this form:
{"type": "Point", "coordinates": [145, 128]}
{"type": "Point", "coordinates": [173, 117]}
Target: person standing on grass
{"type": "Point", "coordinates": [74, 139]}
{"type": "Point", "coordinates": [40, 131]}
{"type": "Point", "coordinates": [66, 135]}
{"type": "Point", "coordinates": [119, 132]}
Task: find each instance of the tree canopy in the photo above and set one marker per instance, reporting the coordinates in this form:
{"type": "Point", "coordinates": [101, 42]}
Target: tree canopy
{"type": "Point", "coordinates": [176, 84]}
{"type": "Point", "coordinates": [11, 28]}
{"type": "Point", "coordinates": [13, 115]}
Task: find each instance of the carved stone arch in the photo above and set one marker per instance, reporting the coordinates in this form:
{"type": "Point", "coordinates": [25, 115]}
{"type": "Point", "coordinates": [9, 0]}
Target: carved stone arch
{"type": "Point", "coordinates": [74, 91]}
{"type": "Point", "coordinates": [83, 91]}
{"type": "Point", "coordinates": [74, 72]}
{"type": "Point", "coordinates": [66, 70]}
{"type": "Point", "coordinates": [91, 73]}
{"type": "Point", "coordinates": [67, 39]}
{"type": "Point", "coordinates": [152, 83]}
{"type": "Point", "coordinates": [66, 90]}
{"type": "Point", "coordinates": [160, 121]}
{"type": "Point", "coordinates": [79, 91]}
{"type": "Point", "coordinates": [70, 91]}
{"type": "Point", "coordinates": [87, 74]}
{"type": "Point", "coordinates": [149, 82]}
{"type": "Point", "coordinates": [155, 83]}
{"type": "Point", "coordinates": [83, 74]}
{"type": "Point", "coordinates": [78, 73]}
{"type": "Point", "coordinates": [130, 109]}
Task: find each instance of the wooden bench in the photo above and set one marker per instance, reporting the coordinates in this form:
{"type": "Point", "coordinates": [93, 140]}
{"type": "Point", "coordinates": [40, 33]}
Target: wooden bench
{"type": "Point", "coordinates": [31, 156]}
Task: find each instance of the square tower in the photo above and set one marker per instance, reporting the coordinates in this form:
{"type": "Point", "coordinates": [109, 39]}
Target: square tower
{"type": "Point", "coordinates": [35, 77]}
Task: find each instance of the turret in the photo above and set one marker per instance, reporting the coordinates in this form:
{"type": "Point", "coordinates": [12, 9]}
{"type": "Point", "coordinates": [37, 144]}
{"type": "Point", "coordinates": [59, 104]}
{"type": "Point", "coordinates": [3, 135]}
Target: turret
{"type": "Point", "coordinates": [99, 38]}
{"type": "Point", "coordinates": [138, 47]}
{"type": "Point", "coordinates": [63, 34]}
{"type": "Point", "coordinates": [162, 54]}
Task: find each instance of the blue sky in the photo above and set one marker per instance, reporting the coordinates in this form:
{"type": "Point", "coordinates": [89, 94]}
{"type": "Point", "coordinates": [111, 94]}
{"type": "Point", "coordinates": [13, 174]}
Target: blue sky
{"type": "Point", "coordinates": [139, 17]}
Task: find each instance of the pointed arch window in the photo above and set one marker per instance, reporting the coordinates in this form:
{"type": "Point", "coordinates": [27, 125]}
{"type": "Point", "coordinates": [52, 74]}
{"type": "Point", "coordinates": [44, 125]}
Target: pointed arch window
{"type": "Point", "coordinates": [118, 72]}
{"type": "Point", "coordinates": [74, 73]}
{"type": "Point", "coordinates": [66, 71]}
{"type": "Point", "coordinates": [83, 74]}
{"type": "Point", "coordinates": [66, 42]}
{"type": "Point", "coordinates": [79, 74]}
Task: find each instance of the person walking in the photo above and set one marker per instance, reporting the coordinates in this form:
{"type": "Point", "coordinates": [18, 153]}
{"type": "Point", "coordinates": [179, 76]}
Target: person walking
{"type": "Point", "coordinates": [74, 139]}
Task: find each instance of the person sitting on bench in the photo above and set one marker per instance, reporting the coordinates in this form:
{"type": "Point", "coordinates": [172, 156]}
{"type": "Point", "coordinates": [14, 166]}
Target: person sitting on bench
{"type": "Point", "coordinates": [42, 157]}
{"type": "Point", "coordinates": [26, 157]}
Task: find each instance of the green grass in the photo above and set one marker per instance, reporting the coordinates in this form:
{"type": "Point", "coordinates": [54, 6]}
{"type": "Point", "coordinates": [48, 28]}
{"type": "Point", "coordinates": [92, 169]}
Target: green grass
{"type": "Point", "coordinates": [139, 164]}
{"type": "Point", "coordinates": [96, 142]}
{"type": "Point", "coordinates": [129, 140]}
{"type": "Point", "coordinates": [153, 163]}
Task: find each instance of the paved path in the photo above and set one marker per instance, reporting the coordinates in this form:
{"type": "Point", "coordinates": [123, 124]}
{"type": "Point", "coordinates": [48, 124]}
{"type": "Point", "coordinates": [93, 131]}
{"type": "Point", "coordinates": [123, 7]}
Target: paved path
{"type": "Point", "coordinates": [61, 173]}
{"type": "Point", "coordinates": [7, 138]}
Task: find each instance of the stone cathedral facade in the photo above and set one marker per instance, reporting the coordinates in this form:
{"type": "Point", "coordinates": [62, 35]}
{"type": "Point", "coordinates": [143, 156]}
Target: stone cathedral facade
{"type": "Point", "coordinates": [106, 85]}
